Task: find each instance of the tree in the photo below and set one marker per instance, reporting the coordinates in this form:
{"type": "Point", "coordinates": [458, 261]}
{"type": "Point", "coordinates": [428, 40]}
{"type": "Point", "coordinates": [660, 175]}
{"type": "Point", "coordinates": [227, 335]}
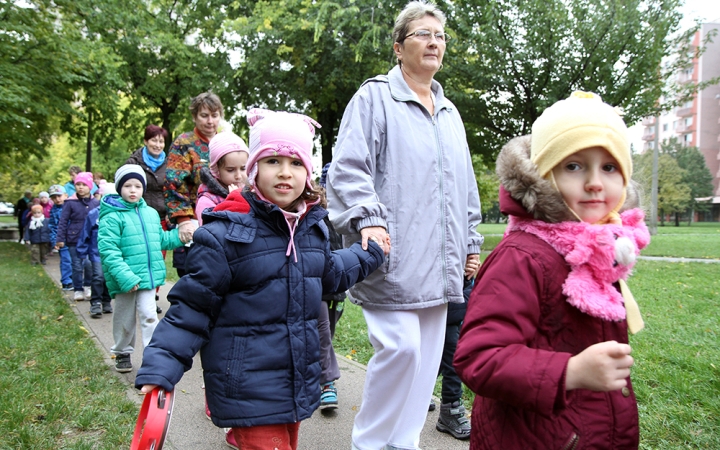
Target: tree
{"type": "Point", "coordinates": [696, 174]}
{"type": "Point", "coordinates": [514, 58]}
{"type": "Point", "coordinates": [674, 196]}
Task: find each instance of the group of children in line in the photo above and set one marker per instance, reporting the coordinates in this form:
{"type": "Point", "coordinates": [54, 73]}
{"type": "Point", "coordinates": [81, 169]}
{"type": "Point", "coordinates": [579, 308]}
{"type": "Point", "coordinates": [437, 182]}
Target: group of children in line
{"type": "Point", "coordinates": [545, 341]}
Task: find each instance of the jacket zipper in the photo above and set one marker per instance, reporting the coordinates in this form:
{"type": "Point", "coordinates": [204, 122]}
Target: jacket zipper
{"type": "Point", "coordinates": [442, 208]}
{"type": "Point", "coordinates": [572, 443]}
{"type": "Point", "coordinates": [147, 247]}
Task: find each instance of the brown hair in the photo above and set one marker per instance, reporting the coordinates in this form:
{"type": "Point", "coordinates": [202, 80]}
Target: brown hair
{"type": "Point", "coordinates": [153, 130]}
{"type": "Point", "coordinates": [207, 99]}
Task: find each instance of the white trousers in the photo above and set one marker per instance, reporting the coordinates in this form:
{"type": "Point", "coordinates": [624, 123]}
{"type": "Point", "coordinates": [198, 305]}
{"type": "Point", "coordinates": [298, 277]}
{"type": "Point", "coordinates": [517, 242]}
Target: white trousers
{"type": "Point", "coordinates": [400, 376]}
{"type": "Point", "coordinates": [127, 304]}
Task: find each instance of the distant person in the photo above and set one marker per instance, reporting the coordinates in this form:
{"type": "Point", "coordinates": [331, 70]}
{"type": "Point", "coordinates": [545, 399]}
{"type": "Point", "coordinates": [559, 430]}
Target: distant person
{"type": "Point", "coordinates": [58, 196]}
{"type": "Point", "coordinates": [87, 247]}
{"type": "Point", "coordinates": [131, 240]}
{"type": "Point", "coordinates": [402, 171]}
{"type": "Point", "coordinates": [72, 220]}
{"type": "Point", "coordinates": [256, 273]}
{"type": "Point", "coordinates": [70, 185]}
{"type": "Point", "coordinates": [45, 202]}
{"type": "Point", "coordinates": [37, 234]}
{"type": "Point", "coordinates": [544, 344]}
{"type": "Point", "coordinates": [21, 208]}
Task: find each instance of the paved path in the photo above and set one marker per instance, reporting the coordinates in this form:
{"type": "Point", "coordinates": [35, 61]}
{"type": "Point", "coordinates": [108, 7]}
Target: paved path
{"type": "Point", "coordinates": [191, 430]}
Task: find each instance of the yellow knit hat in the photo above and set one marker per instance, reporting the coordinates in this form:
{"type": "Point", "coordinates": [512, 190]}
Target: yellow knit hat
{"type": "Point", "coordinates": [579, 122]}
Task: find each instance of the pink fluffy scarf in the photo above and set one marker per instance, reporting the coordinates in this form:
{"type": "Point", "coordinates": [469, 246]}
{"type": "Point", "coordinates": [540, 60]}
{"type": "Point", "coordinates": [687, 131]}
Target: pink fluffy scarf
{"type": "Point", "coordinates": [598, 255]}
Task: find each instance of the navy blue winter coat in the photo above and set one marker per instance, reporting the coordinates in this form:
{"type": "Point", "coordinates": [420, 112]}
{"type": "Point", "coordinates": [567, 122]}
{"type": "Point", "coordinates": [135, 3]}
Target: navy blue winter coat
{"type": "Point", "coordinates": [39, 234]}
{"type": "Point", "coordinates": [252, 311]}
{"type": "Point", "coordinates": [87, 244]}
{"type": "Point", "coordinates": [72, 219]}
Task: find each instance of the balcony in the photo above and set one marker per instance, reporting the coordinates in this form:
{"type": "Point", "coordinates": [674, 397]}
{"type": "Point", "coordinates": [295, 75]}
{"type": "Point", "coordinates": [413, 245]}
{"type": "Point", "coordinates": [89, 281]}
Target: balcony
{"type": "Point", "coordinates": [648, 137]}
{"type": "Point", "coordinates": [684, 112]}
{"type": "Point", "coordinates": [648, 121]}
{"type": "Point", "coordinates": [684, 78]}
{"type": "Point", "coordinates": [682, 128]}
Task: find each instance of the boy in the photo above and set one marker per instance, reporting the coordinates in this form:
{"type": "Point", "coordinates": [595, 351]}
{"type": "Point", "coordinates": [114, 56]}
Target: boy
{"type": "Point", "coordinates": [58, 196]}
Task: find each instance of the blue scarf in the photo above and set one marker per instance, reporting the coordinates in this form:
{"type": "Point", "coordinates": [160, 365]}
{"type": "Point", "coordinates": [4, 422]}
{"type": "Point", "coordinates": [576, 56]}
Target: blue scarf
{"type": "Point", "coordinates": [151, 161]}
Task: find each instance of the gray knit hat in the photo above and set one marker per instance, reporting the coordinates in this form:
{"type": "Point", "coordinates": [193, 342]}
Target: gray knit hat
{"type": "Point", "coordinates": [127, 172]}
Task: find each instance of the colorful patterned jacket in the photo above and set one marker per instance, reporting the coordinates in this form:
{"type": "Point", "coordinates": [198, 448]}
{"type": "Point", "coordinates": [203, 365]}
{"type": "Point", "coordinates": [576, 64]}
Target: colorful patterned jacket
{"type": "Point", "coordinates": [187, 155]}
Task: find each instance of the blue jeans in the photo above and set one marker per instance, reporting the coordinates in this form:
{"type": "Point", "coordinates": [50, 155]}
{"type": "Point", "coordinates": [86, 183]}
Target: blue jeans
{"type": "Point", "coordinates": [65, 266]}
{"type": "Point", "coordinates": [80, 268]}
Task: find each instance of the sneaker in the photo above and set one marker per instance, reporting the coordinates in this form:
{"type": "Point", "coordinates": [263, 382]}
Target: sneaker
{"type": "Point", "coordinates": [123, 363]}
{"type": "Point", "coordinates": [88, 292]}
{"type": "Point", "coordinates": [432, 406]}
{"type": "Point", "coordinates": [158, 309]}
{"type": "Point", "coordinates": [107, 308]}
{"type": "Point", "coordinates": [67, 287]}
{"type": "Point", "coordinates": [230, 439]}
{"type": "Point", "coordinates": [453, 420]}
{"type": "Point", "coordinates": [79, 296]}
{"type": "Point", "coordinates": [96, 311]}
{"type": "Point", "coordinates": [328, 395]}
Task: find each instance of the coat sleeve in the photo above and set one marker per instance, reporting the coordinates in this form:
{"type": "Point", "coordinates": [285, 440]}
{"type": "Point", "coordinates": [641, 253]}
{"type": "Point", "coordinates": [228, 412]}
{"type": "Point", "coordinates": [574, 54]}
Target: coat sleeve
{"type": "Point", "coordinates": [352, 199]}
{"type": "Point", "coordinates": [177, 192]}
{"type": "Point", "coordinates": [493, 356]}
{"type": "Point", "coordinates": [195, 300]}
{"type": "Point", "coordinates": [62, 224]}
{"type": "Point", "coordinates": [170, 239]}
{"type": "Point", "coordinates": [475, 239]}
{"type": "Point", "coordinates": [346, 267]}
{"type": "Point", "coordinates": [83, 243]}
{"type": "Point", "coordinates": [109, 244]}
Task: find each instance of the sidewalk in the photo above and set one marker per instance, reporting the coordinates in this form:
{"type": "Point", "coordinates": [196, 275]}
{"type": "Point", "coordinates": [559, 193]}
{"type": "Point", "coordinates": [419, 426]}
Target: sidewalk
{"type": "Point", "coordinates": [191, 430]}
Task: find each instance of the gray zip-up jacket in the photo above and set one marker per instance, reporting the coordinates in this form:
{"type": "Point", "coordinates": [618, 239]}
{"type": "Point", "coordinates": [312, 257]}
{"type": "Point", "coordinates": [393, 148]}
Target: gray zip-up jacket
{"type": "Point", "coordinates": [398, 167]}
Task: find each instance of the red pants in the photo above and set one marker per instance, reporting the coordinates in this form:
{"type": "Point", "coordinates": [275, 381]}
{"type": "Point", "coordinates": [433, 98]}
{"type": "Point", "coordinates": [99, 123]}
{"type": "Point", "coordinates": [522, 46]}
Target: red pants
{"type": "Point", "coordinates": [268, 437]}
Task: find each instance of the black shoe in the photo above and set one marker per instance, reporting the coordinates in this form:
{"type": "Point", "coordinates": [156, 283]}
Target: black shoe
{"type": "Point", "coordinates": [107, 308]}
{"type": "Point", "coordinates": [432, 406]}
{"type": "Point", "coordinates": [158, 309]}
{"type": "Point", "coordinates": [123, 363]}
{"type": "Point", "coordinates": [453, 420]}
{"type": "Point", "coordinates": [67, 287]}
{"type": "Point", "coordinates": [95, 311]}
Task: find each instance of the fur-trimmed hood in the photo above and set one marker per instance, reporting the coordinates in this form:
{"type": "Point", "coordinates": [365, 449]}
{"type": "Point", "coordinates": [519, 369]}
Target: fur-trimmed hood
{"type": "Point", "coordinates": [211, 183]}
{"type": "Point", "coordinates": [528, 195]}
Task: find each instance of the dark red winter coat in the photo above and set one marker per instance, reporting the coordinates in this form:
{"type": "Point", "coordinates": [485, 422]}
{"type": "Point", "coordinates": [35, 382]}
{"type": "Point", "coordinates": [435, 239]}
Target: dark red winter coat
{"type": "Point", "coordinates": [518, 335]}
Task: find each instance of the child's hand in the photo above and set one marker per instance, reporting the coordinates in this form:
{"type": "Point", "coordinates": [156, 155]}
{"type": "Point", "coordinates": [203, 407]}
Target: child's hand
{"type": "Point", "coordinates": [148, 388]}
{"type": "Point", "coordinates": [232, 187]}
{"type": "Point", "coordinates": [472, 264]}
{"type": "Point", "coordinates": [59, 245]}
{"type": "Point", "coordinates": [135, 288]}
{"type": "Point", "coordinates": [601, 367]}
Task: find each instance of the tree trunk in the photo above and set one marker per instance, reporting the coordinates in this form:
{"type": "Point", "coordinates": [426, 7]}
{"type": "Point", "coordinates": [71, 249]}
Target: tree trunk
{"type": "Point", "coordinates": [330, 121]}
{"type": "Point", "coordinates": [88, 149]}
{"type": "Point", "coordinates": [677, 219]}
{"type": "Point", "coordinates": [662, 218]}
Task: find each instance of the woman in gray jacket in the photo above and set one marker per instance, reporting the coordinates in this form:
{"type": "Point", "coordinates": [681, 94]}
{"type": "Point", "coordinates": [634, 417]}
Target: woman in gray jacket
{"type": "Point", "coordinates": [402, 169]}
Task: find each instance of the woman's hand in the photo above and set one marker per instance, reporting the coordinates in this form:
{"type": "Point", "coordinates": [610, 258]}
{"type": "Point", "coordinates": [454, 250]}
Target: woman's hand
{"type": "Point", "coordinates": [472, 265]}
{"type": "Point", "coordinates": [148, 388]}
{"type": "Point", "coordinates": [601, 367]}
{"type": "Point", "coordinates": [186, 230]}
{"type": "Point", "coordinates": [377, 234]}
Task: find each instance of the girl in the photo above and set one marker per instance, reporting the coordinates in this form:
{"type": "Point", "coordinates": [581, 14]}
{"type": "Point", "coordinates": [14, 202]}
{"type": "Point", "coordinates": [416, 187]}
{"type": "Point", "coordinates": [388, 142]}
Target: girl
{"type": "Point", "coordinates": [130, 241]}
{"type": "Point", "coordinates": [251, 296]}
{"type": "Point", "coordinates": [545, 338]}
{"type": "Point", "coordinates": [72, 220]}
{"type": "Point", "coordinates": [228, 157]}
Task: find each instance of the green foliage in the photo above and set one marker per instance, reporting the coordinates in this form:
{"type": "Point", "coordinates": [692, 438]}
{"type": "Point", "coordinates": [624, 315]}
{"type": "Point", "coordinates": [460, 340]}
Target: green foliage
{"type": "Point", "coordinates": [55, 389]}
{"type": "Point", "coordinates": [673, 195]}
{"type": "Point", "coordinates": [514, 58]}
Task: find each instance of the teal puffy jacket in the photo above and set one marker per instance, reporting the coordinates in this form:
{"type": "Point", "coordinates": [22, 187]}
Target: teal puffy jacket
{"type": "Point", "coordinates": [131, 240]}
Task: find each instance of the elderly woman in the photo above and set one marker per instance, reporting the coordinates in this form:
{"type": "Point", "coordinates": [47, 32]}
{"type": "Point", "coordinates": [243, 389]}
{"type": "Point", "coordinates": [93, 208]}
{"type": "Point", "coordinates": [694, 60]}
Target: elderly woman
{"type": "Point", "coordinates": [402, 168]}
{"type": "Point", "coordinates": [188, 154]}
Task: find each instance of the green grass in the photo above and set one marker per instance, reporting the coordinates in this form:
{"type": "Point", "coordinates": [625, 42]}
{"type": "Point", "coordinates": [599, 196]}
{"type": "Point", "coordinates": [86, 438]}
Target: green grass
{"type": "Point", "coordinates": [55, 389]}
{"type": "Point", "coordinates": [8, 219]}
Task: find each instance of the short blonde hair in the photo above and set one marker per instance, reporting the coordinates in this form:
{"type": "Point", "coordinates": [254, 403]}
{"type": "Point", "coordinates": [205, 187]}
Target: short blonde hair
{"type": "Point", "coordinates": [414, 10]}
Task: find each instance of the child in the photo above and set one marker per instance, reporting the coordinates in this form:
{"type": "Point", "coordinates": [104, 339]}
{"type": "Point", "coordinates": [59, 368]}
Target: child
{"type": "Point", "coordinates": [37, 234]}
{"type": "Point", "coordinates": [545, 338]}
{"type": "Point", "coordinates": [251, 296]}
{"type": "Point", "coordinates": [72, 220]}
{"type": "Point", "coordinates": [58, 196]}
{"type": "Point", "coordinates": [131, 240]}
{"type": "Point", "coordinates": [87, 247]}
{"type": "Point", "coordinates": [228, 156]}
{"type": "Point", "coordinates": [45, 202]}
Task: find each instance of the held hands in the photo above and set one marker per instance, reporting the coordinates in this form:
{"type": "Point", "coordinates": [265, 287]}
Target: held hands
{"type": "Point", "coordinates": [186, 230]}
{"type": "Point", "coordinates": [59, 245]}
{"type": "Point", "coordinates": [472, 265]}
{"type": "Point", "coordinates": [601, 367]}
{"type": "Point", "coordinates": [148, 388]}
{"type": "Point", "coordinates": [233, 187]}
{"type": "Point", "coordinates": [377, 234]}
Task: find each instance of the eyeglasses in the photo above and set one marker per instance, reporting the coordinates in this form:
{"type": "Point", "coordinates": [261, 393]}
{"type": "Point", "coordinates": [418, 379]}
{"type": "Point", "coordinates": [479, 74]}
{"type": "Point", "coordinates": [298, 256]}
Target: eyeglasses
{"type": "Point", "coordinates": [425, 35]}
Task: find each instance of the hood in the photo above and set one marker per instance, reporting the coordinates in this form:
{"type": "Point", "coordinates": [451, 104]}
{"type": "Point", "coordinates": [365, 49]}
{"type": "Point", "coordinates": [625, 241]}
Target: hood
{"type": "Point", "coordinates": [524, 193]}
{"type": "Point", "coordinates": [113, 202]}
{"type": "Point", "coordinates": [211, 184]}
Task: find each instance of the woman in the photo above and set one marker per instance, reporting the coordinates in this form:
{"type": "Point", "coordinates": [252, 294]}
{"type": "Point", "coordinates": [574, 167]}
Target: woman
{"type": "Point", "coordinates": [188, 154]}
{"type": "Point", "coordinates": [151, 157]}
{"type": "Point", "coordinates": [402, 168]}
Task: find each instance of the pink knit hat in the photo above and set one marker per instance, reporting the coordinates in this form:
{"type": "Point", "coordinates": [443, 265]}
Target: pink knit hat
{"type": "Point", "coordinates": [222, 144]}
{"type": "Point", "coordinates": [84, 177]}
{"type": "Point", "coordinates": [280, 133]}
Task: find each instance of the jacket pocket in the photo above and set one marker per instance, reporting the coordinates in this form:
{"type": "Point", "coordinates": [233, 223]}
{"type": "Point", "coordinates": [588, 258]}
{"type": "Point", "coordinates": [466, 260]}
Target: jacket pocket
{"type": "Point", "coordinates": [234, 373]}
{"type": "Point", "coordinates": [572, 442]}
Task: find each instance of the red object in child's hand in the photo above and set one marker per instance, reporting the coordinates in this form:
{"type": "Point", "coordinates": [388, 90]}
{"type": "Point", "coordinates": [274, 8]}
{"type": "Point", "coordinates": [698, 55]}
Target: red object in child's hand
{"type": "Point", "coordinates": [154, 420]}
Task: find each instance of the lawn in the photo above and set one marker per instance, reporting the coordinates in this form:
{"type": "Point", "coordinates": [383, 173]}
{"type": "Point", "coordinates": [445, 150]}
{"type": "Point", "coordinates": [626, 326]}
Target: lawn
{"type": "Point", "coordinates": [55, 389]}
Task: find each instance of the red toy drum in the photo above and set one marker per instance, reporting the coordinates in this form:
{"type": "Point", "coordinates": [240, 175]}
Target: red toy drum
{"type": "Point", "coordinates": [154, 420]}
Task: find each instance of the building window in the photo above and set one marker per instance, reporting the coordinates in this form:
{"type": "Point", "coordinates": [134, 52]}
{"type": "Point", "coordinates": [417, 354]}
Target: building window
{"type": "Point", "coordinates": [688, 121]}
{"type": "Point", "coordinates": [687, 138]}
{"type": "Point", "coordinates": [665, 127]}
{"type": "Point", "coordinates": [651, 145]}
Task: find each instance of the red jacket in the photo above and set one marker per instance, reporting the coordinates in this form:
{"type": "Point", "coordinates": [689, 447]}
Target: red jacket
{"type": "Point", "coordinates": [518, 335]}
